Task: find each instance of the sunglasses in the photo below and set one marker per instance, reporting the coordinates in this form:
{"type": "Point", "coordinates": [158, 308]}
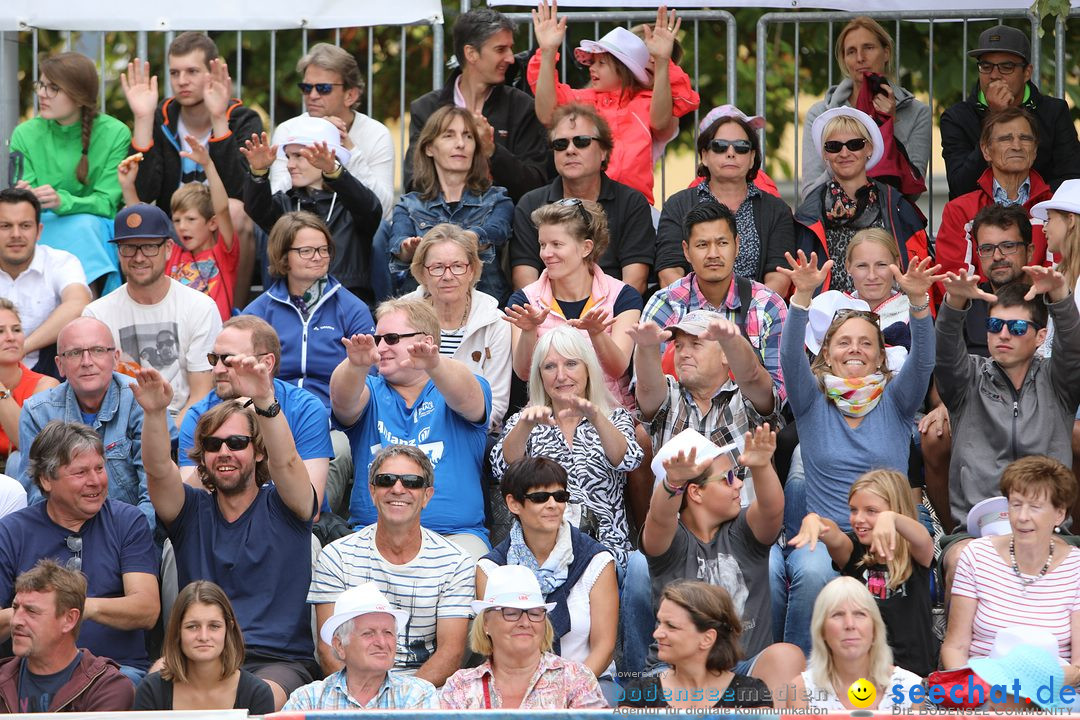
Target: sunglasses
{"type": "Point", "coordinates": [576, 202]}
{"type": "Point", "coordinates": [542, 496]}
{"type": "Point", "coordinates": [74, 545]}
{"type": "Point", "coordinates": [409, 482]}
{"type": "Point", "coordinates": [742, 147]}
{"type": "Point", "coordinates": [213, 358]}
{"type": "Point", "coordinates": [854, 145]}
{"type": "Point", "coordinates": [514, 614]}
{"type": "Point", "coordinates": [1017, 328]}
{"type": "Point", "coordinates": [580, 142]}
{"type": "Point", "coordinates": [235, 442]}
{"type": "Point", "coordinates": [393, 338]}
{"type": "Point", "coordinates": [322, 88]}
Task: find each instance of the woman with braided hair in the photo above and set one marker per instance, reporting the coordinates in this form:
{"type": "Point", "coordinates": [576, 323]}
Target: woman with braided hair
{"type": "Point", "coordinates": [68, 156]}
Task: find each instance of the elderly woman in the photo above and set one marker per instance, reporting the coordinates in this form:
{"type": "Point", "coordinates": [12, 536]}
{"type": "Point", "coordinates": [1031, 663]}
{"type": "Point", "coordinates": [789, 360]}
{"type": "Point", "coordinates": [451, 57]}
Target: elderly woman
{"type": "Point", "coordinates": [849, 648]}
{"type": "Point", "coordinates": [864, 53]}
{"type": "Point", "coordinates": [572, 419]}
{"type": "Point", "coordinates": [850, 143]}
{"type": "Point", "coordinates": [447, 266]}
{"type": "Point", "coordinates": [729, 155]}
{"type": "Point", "coordinates": [697, 635]}
{"type": "Point", "coordinates": [513, 633]}
{"type": "Point", "coordinates": [574, 571]}
{"type": "Point", "coordinates": [852, 414]}
{"type": "Point", "coordinates": [17, 382]}
{"type": "Point", "coordinates": [573, 291]}
{"type": "Point", "coordinates": [308, 307]}
{"type": "Point", "coordinates": [453, 185]}
{"type": "Point", "coordinates": [1027, 576]}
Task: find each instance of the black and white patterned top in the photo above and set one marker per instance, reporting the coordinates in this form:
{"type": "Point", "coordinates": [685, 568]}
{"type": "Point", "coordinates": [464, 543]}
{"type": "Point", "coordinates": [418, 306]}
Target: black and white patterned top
{"type": "Point", "coordinates": [746, 262]}
{"type": "Point", "coordinates": [595, 486]}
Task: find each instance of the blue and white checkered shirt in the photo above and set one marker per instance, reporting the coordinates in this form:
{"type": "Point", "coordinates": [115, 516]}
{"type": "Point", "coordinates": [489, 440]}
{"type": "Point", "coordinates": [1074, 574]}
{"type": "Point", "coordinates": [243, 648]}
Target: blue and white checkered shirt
{"type": "Point", "coordinates": [398, 692]}
{"type": "Point", "coordinates": [1023, 194]}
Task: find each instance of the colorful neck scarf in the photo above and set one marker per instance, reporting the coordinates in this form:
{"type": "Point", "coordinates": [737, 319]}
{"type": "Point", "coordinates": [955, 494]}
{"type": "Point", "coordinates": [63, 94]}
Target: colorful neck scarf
{"type": "Point", "coordinates": [855, 397]}
{"type": "Point", "coordinates": [840, 207]}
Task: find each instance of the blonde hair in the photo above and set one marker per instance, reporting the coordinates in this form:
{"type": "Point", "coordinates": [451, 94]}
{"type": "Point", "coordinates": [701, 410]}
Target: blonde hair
{"type": "Point", "coordinates": [845, 123]}
{"type": "Point", "coordinates": [583, 220]}
{"type": "Point", "coordinates": [874, 28]}
{"type": "Point", "coordinates": [480, 641]}
{"type": "Point", "coordinates": [1070, 248]}
{"type": "Point", "coordinates": [193, 196]}
{"type": "Point", "coordinates": [877, 236]}
{"type": "Point", "coordinates": [821, 666]}
{"type": "Point", "coordinates": [820, 364]}
{"type": "Point", "coordinates": [455, 235]}
{"type": "Point", "coordinates": [571, 344]}
{"type": "Point", "coordinates": [892, 487]}
{"type": "Point", "coordinates": [419, 314]}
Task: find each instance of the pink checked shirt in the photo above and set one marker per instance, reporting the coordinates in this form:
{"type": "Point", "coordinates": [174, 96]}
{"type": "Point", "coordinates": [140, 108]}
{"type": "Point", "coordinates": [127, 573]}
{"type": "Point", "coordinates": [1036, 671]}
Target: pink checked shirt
{"type": "Point", "coordinates": [557, 684]}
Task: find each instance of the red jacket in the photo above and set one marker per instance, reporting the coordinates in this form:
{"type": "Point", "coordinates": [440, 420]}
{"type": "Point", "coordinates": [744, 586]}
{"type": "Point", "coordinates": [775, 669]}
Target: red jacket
{"type": "Point", "coordinates": [96, 685]}
{"type": "Point", "coordinates": [955, 248]}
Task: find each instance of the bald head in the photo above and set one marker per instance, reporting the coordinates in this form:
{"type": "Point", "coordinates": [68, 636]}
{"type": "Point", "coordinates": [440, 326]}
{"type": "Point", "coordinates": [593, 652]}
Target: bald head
{"type": "Point", "coordinates": [83, 329]}
{"type": "Point", "coordinates": [86, 356]}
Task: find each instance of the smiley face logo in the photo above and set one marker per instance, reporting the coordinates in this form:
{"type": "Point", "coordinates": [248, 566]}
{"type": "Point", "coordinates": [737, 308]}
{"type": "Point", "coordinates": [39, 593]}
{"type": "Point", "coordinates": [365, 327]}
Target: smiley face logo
{"type": "Point", "coordinates": [862, 693]}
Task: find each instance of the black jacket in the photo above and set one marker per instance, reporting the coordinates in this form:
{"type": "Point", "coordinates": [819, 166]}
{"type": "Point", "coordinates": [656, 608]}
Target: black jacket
{"type": "Point", "coordinates": [1058, 157]}
{"type": "Point", "coordinates": [522, 160]}
{"type": "Point", "coordinates": [159, 172]}
{"type": "Point", "coordinates": [349, 208]}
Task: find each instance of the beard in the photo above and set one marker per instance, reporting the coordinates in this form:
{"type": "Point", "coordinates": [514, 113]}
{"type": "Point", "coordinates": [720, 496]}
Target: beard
{"type": "Point", "coordinates": [235, 484]}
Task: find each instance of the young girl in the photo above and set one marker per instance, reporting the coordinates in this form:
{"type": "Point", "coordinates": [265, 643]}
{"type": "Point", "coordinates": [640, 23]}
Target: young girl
{"type": "Point", "coordinates": [890, 552]}
{"type": "Point", "coordinates": [1061, 225]}
{"type": "Point", "coordinates": [641, 105]}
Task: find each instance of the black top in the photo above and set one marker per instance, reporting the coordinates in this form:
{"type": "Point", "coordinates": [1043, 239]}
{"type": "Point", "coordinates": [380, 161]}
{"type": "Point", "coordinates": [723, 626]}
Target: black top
{"type": "Point", "coordinates": [252, 694]}
{"type": "Point", "coordinates": [741, 692]}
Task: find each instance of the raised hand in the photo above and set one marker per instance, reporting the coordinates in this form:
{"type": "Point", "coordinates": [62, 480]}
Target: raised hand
{"type": "Point", "coordinates": [1044, 280]}
{"type": "Point", "coordinates": [408, 248]}
{"type": "Point", "coordinates": [683, 467]}
{"type": "Point", "coordinates": [140, 88]}
{"type": "Point", "coordinates": [812, 529]}
{"type": "Point", "coordinates": [660, 39]}
{"type": "Point", "coordinates": [758, 447]}
{"type": "Point", "coordinates": [320, 156]}
{"type": "Point", "coordinates": [128, 170]}
{"type": "Point", "coordinates": [259, 152]}
{"type": "Point", "coordinates": [548, 28]}
{"type": "Point", "coordinates": [918, 279]}
{"type": "Point", "coordinates": [578, 406]}
{"type": "Point", "coordinates": [217, 93]}
{"type": "Point", "coordinates": [595, 322]}
{"type": "Point", "coordinates": [198, 153]}
{"type": "Point", "coordinates": [883, 536]}
{"type": "Point", "coordinates": [251, 377]}
{"type": "Point", "coordinates": [361, 351]}
{"type": "Point", "coordinates": [526, 317]}
{"type": "Point", "coordinates": [423, 355]}
{"type": "Point", "coordinates": [804, 274]}
{"type": "Point", "coordinates": [536, 415]}
{"type": "Point", "coordinates": [152, 391]}
{"type": "Point", "coordinates": [722, 330]}
{"type": "Point", "coordinates": [648, 334]}
{"type": "Point", "coordinates": [964, 286]}
{"type": "Point", "coordinates": [343, 132]}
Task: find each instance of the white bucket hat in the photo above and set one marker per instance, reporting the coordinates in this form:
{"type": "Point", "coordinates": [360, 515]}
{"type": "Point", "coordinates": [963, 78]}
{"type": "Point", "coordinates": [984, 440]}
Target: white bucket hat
{"type": "Point", "coordinates": [512, 586]}
{"type": "Point", "coordinates": [989, 517]}
{"type": "Point", "coordinates": [1066, 199]}
{"type": "Point", "coordinates": [360, 600]}
{"type": "Point", "coordinates": [623, 44]}
{"type": "Point", "coordinates": [307, 130]}
{"type": "Point", "coordinates": [818, 129]}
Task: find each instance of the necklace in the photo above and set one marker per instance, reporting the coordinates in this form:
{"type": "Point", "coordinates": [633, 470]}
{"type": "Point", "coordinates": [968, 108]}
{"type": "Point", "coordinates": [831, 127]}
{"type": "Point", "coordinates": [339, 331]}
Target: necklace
{"type": "Point", "coordinates": [1024, 582]}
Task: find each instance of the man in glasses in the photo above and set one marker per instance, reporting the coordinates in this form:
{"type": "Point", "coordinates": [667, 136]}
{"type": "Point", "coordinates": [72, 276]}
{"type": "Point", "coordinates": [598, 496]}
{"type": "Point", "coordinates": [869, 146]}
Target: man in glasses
{"type": "Point", "coordinates": [94, 394]}
{"type": "Point", "coordinates": [151, 304]}
{"type": "Point", "coordinates": [251, 534]}
{"type": "Point", "coordinates": [332, 88]}
{"type": "Point", "coordinates": [1003, 61]}
{"type": "Point", "coordinates": [82, 529]}
{"type": "Point", "coordinates": [581, 141]}
{"type": "Point", "coordinates": [419, 571]}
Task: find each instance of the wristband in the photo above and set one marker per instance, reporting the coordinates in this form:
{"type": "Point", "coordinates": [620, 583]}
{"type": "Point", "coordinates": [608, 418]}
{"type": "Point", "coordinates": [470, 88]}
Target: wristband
{"type": "Point", "coordinates": [672, 491]}
{"type": "Point", "coordinates": [920, 308]}
{"type": "Point", "coordinates": [335, 173]}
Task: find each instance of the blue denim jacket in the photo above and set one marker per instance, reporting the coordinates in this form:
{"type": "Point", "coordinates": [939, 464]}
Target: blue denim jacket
{"type": "Point", "coordinates": [119, 422]}
{"type": "Point", "coordinates": [488, 215]}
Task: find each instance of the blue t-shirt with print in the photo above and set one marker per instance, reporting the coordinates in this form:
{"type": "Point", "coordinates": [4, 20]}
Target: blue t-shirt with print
{"type": "Point", "coordinates": [454, 445]}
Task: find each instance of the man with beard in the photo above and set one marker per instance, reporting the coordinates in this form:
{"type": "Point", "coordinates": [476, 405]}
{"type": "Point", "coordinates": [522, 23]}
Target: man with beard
{"type": "Point", "coordinates": [252, 533]}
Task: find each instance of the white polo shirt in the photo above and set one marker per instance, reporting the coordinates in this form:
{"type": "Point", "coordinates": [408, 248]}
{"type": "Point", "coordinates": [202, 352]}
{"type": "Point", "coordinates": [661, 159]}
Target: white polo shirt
{"type": "Point", "coordinates": [36, 291]}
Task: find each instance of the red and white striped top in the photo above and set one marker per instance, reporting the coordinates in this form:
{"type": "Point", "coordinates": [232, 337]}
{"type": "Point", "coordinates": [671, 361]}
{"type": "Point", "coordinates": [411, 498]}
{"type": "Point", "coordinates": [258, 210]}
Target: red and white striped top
{"type": "Point", "coordinates": [1050, 601]}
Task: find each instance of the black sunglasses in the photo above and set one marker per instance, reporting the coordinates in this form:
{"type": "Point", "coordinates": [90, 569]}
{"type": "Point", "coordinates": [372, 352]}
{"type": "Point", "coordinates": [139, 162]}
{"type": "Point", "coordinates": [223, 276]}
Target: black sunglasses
{"type": "Point", "coordinates": [1017, 328]}
{"type": "Point", "coordinates": [393, 338]}
{"type": "Point", "coordinates": [742, 147]}
{"type": "Point", "coordinates": [323, 88]}
{"type": "Point", "coordinates": [235, 442]}
{"type": "Point", "coordinates": [213, 358]}
{"type": "Point", "coordinates": [408, 481]}
{"type": "Point", "coordinates": [580, 142]}
{"type": "Point", "coordinates": [854, 145]}
{"type": "Point", "coordinates": [542, 496]}
{"type": "Point", "coordinates": [576, 202]}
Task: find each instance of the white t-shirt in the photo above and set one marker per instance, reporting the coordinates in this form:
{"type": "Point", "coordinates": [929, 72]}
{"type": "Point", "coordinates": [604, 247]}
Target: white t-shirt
{"type": "Point", "coordinates": [12, 495]}
{"type": "Point", "coordinates": [371, 160]}
{"type": "Point", "coordinates": [36, 291]}
{"type": "Point", "coordinates": [172, 336]}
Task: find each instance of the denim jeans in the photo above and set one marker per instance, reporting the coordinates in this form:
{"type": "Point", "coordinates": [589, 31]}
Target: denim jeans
{"type": "Point", "coordinates": [636, 617]}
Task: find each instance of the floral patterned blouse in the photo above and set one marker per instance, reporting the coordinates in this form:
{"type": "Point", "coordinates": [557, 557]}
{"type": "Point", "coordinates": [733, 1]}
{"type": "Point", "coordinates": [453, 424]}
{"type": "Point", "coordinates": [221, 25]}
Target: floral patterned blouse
{"type": "Point", "coordinates": [557, 684]}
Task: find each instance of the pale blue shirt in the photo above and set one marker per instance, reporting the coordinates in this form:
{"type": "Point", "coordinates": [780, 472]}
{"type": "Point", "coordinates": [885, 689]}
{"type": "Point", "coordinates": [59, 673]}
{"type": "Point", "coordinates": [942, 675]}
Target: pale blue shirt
{"type": "Point", "coordinates": [398, 692]}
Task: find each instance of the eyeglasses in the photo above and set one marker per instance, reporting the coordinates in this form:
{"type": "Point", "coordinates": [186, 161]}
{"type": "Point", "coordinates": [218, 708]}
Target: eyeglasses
{"type": "Point", "coordinates": [542, 496]}
{"type": "Point", "coordinates": [235, 442]}
{"type": "Point", "coordinates": [97, 352]}
{"type": "Point", "coordinates": [440, 270]}
{"type": "Point", "coordinates": [49, 90]}
{"type": "Point", "coordinates": [74, 546]}
{"type": "Point", "coordinates": [323, 251]}
{"type": "Point", "coordinates": [586, 217]}
{"type": "Point", "coordinates": [393, 338]}
{"type": "Point", "coordinates": [742, 147]}
{"type": "Point", "coordinates": [1005, 68]}
{"type": "Point", "coordinates": [408, 481]}
{"type": "Point", "coordinates": [322, 88]}
{"type": "Point", "coordinates": [1017, 328]}
{"type": "Point", "coordinates": [514, 614]}
{"type": "Point", "coordinates": [1009, 247]}
{"type": "Point", "coordinates": [149, 250]}
{"type": "Point", "coordinates": [834, 146]}
{"type": "Point", "coordinates": [580, 142]}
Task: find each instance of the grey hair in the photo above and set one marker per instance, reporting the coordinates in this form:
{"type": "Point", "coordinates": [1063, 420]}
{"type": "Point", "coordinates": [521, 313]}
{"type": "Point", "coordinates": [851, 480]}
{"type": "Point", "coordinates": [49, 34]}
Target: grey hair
{"type": "Point", "coordinates": [412, 452]}
{"type": "Point", "coordinates": [475, 27]}
{"type": "Point", "coordinates": [333, 59]}
{"type": "Point", "coordinates": [56, 445]}
{"type": "Point", "coordinates": [344, 634]}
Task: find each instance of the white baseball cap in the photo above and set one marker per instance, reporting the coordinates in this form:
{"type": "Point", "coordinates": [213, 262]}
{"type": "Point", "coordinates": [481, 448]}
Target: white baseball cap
{"type": "Point", "coordinates": [989, 517]}
{"type": "Point", "coordinates": [307, 130]}
{"type": "Point", "coordinates": [689, 439]}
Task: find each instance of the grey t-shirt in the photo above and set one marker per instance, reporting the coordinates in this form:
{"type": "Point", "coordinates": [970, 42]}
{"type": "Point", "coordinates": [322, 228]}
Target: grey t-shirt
{"type": "Point", "coordinates": [735, 561]}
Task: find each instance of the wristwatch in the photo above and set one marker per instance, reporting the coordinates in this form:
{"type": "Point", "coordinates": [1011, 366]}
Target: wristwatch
{"type": "Point", "coordinates": [272, 411]}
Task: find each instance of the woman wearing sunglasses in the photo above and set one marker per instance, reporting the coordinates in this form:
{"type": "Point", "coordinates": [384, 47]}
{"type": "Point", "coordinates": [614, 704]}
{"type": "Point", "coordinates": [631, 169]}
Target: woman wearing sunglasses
{"type": "Point", "coordinates": [452, 184]}
{"type": "Point", "coordinates": [514, 634]}
{"type": "Point", "coordinates": [853, 415]}
{"type": "Point", "coordinates": [575, 572]}
{"type": "Point", "coordinates": [729, 161]}
{"type": "Point", "coordinates": [850, 143]}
